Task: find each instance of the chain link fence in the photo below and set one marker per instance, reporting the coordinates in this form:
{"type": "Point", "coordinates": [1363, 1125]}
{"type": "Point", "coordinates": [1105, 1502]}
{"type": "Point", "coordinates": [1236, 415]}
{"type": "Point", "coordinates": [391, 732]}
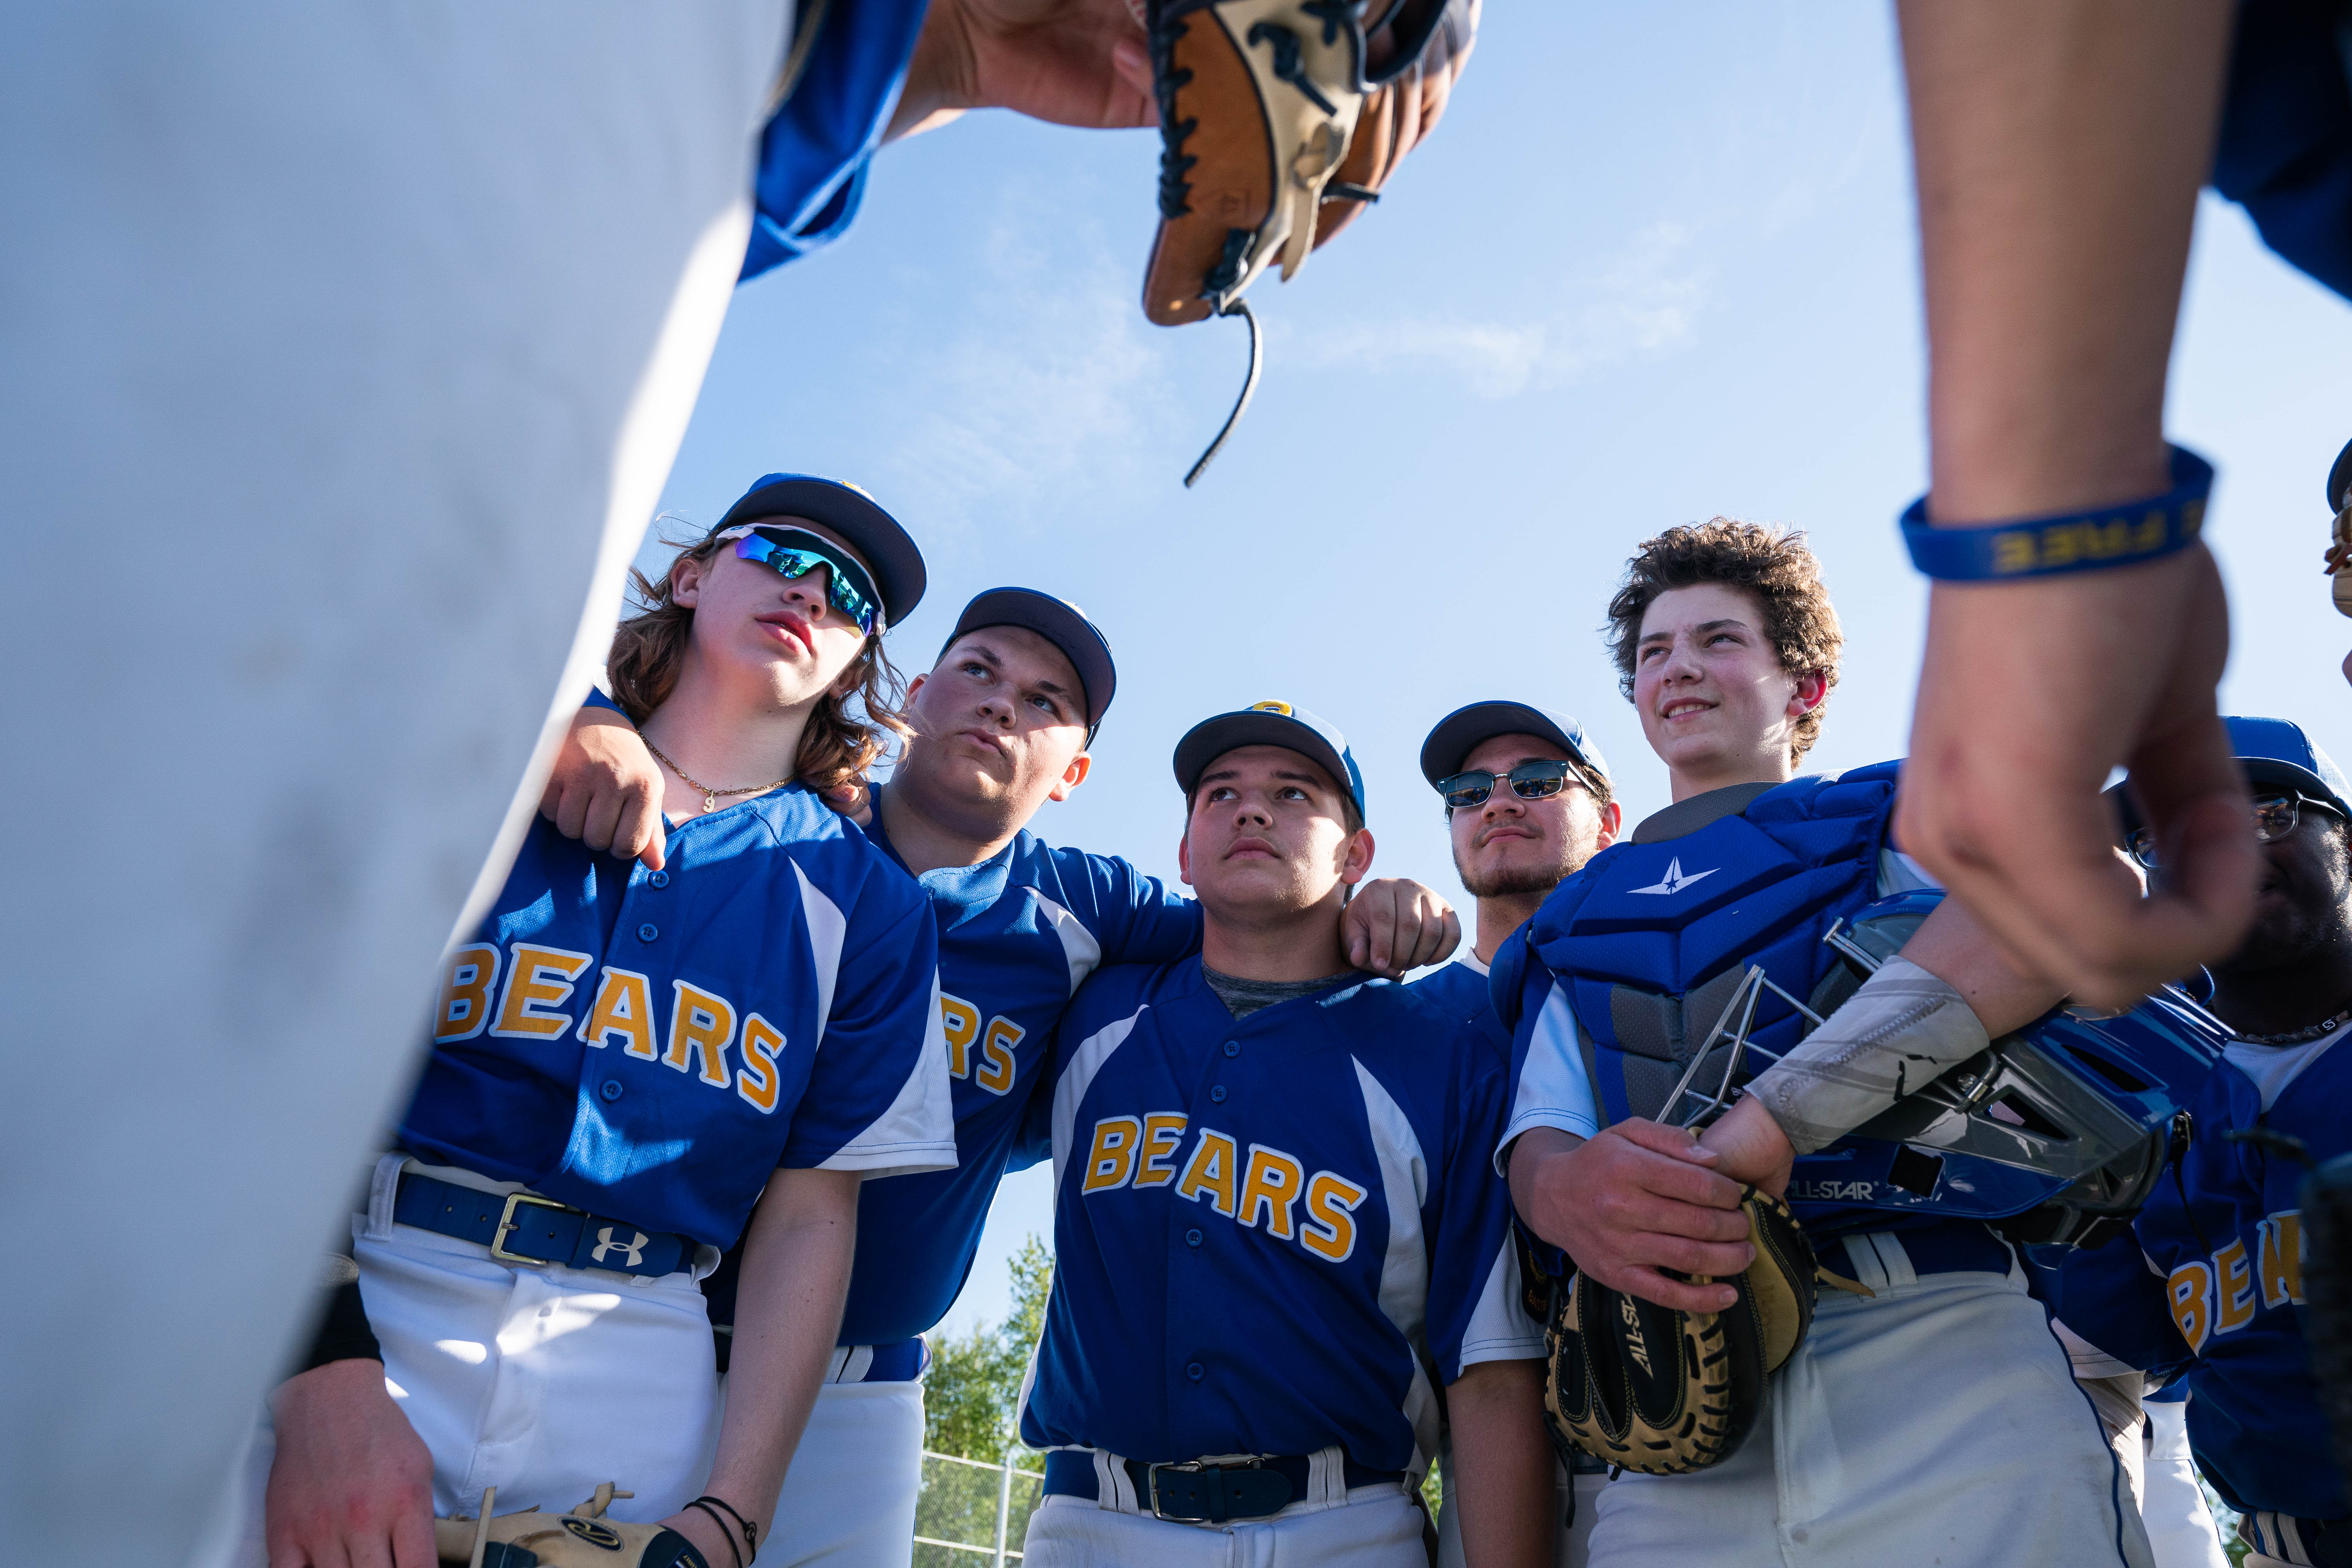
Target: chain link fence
{"type": "Point", "coordinates": [971, 1513]}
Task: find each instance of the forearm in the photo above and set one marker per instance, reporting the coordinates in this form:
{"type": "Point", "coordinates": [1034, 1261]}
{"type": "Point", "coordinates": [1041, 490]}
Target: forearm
{"type": "Point", "coordinates": [2059, 146]}
{"type": "Point", "coordinates": [1503, 1465]}
{"type": "Point", "coordinates": [796, 1261]}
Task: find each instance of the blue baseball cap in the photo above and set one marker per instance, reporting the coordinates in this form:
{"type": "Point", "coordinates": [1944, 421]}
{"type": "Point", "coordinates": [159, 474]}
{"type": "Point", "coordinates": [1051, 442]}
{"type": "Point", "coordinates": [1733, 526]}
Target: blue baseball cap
{"type": "Point", "coordinates": [1269, 723]}
{"type": "Point", "coordinates": [2274, 754]}
{"type": "Point", "coordinates": [858, 517]}
{"type": "Point", "coordinates": [2339, 479]}
{"type": "Point", "coordinates": [1465, 729]}
{"type": "Point", "coordinates": [1059, 622]}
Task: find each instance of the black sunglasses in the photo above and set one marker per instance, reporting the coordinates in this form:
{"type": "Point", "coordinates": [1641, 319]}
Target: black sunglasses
{"type": "Point", "coordinates": [2274, 817]}
{"type": "Point", "coordinates": [1529, 781]}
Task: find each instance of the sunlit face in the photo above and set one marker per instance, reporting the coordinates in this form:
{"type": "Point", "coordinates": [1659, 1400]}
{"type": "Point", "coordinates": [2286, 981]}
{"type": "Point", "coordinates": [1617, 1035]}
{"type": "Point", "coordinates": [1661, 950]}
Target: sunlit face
{"type": "Point", "coordinates": [1000, 720]}
{"type": "Point", "coordinates": [751, 618]}
{"type": "Point", "coordinates": [1708, 684]}
{"type": "Point", "coordinates": [1266, 834]}
{"type": "Point", "coordinates": [1513, 845]}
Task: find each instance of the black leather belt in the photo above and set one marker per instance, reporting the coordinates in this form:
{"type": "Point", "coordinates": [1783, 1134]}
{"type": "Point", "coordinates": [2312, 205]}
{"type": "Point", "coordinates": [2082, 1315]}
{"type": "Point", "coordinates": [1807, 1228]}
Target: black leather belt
{"type": "Point", "coordinates": [521, 1228]}
{"type": "Point", "coordinates": [1201, 1491]}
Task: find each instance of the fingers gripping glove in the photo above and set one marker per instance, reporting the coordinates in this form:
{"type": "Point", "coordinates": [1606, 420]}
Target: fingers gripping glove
{"type": "Point", "coordinates": [583, 1538]}
{"type": "Point", "coordinates": [1271, 109]}
{"type": "Point", "coordinates": [1663, 1391]}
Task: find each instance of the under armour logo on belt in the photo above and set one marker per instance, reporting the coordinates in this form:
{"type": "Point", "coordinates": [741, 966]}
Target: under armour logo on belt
{"type": "Point", "coordinates": [634, 1247]}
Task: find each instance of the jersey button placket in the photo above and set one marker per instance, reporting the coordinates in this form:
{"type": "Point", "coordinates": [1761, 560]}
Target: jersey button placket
{"type": "Point", "coordinates": [649, 931]}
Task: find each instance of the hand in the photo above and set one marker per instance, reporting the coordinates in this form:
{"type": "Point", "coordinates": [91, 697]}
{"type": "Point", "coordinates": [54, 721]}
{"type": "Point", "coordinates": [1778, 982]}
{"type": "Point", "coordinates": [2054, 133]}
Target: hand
{"type": "Point", "coordinates": [1394, 924]}
{"type": "Point", "coordinates": [854, 800]}
{"type": "Point", "coordinates": [1635, 1199]}
{"type": "Point", "coordinates": [351, 1483]}
{"type": "Point", "coordinates": [606, 789]}
{"type": "Point", "coordinates": [1751, 1147]}
{"type": "Point", "coordinates": [1067, 62]}
{"type": "Point", "coordinates": [2031, 693]}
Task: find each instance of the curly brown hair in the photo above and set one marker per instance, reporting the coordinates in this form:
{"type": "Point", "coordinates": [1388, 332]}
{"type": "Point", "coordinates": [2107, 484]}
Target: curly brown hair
{"type": "Point", "coordinates": [1773, 565]}
{"type": "Point", "coordinates": [649, 650]}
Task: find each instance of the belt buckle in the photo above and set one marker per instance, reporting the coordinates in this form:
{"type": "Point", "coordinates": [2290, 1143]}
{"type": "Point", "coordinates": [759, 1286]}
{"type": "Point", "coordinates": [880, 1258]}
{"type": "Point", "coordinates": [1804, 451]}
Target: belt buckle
{"type": "Point", "coordinates": [507, 1224]}
{"type": "Point", "coordinates": [1195, 1467]}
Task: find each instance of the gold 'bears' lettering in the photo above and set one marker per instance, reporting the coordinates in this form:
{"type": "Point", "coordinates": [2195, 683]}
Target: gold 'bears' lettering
{"type": "Point", "coordinates": [1271, 1185]}
{"type": "Point", "coordinates": [2233, 1295]}
{"type": "Point", "coordinates": [701, 1024]}
{"type": "Point", "coordinates": [622, 1010]}
{"type": "Point", "coordinates": [1111, 1161]}
{"type": "Point", "coordinates": [1209, 1170]}
{"type": "Point", "coordinates": [465, 1009]}
{"type": "Point", "coordinates": [760, 1081]}
{"type": "Point", "coordinates": [995, 1074]}
{"type": "Point", "coordinates": [538, 978]}
{"type": "Point", "coordinates": [2192, 1289]}
{"type": "Point", "coordinates": [1331, 1228]}
{"type": "Point", "coordinates": [2281, 1264]}
{"type": "Point", "coordinates": [1162, 1132]}
{"type": "Point", "coordinates": [961, 1021]}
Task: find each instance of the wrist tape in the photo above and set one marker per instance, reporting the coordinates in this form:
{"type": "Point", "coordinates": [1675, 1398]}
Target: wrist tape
{"type": "Point", "coordinates": [1898, 1032]}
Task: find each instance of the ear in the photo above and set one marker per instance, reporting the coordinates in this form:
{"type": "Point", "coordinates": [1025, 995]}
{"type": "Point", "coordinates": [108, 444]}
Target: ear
{"type": "Point", "coordinates": [1184, 855]}
{"type": "Point", "coordinates": [1612, 820]}
{"type": "Point", "coordinates": [686, 580]}
{"type": "Point", "coordinates": [1812, 688]}
{"type": "Point", "coordinates": [915, 685]}
{"type": "Point", "coordinates": [1072, 777]}
{"type": "Point", "coordinates": [1355, 861]}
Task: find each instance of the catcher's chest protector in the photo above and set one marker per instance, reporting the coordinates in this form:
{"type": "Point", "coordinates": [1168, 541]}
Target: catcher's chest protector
{"type": "Point", "coordinates": [1655, 935]}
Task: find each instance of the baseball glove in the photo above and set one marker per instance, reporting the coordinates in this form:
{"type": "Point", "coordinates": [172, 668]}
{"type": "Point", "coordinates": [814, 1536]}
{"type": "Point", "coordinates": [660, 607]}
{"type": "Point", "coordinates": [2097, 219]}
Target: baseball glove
{"type": "Point", "coordinates": [1660, 1391]}
{"type": "Point", "coordinates": [1279, 120]}
{"type": "Point", "coordinates": [583, 1538]}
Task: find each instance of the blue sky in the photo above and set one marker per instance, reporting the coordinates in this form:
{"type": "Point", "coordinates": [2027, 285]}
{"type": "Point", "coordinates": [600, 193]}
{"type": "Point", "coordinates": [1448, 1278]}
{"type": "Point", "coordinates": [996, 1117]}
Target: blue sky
{"type": "Point", "coordinates": [1642, 275]}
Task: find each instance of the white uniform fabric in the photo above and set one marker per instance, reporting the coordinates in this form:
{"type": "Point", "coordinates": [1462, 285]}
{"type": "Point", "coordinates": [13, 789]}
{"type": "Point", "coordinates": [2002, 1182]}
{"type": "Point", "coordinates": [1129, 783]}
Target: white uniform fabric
{"type": "Point", "coordinates": [540, 1381]}
{"type": "Point", "coordinates": [1363, 1527]}
{"type": "Point", "coordinates": [1938, 1422]}
{"type": "Point", "coordinates": [338, 338]}
{"type": "Point", "coordinates": [849, 1498]}
{"type": "Point", "coordinates": [2180, 1528]}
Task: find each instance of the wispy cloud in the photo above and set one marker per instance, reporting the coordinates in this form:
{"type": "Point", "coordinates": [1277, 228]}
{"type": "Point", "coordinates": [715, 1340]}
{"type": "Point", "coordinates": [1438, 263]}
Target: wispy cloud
{"type": "Point", "coordinates": [1643, 302]}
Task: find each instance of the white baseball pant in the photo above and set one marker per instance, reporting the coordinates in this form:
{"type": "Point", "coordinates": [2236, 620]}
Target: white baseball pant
{"type": "Point", "coordinates": [348, 348]}
{"type": "Point", "coordinates": [1937, 1423]}
{"type": "Point", "coordinates": [1333, 1525]}
{"type": "Point", "coordinates": [849, 1498]}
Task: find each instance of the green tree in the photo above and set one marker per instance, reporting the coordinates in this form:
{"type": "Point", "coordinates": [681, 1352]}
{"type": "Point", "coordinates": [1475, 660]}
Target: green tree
{"type": "Point", "coordinates": [968, 1396]}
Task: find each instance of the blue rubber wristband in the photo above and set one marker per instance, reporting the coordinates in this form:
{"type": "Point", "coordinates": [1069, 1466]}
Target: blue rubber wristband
{"type": "Point", "coordinates": [2121, 535]}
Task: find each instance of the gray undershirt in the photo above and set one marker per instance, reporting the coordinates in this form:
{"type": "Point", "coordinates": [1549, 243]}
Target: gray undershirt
{"type": "Point", "coordinates": [1242, 997]}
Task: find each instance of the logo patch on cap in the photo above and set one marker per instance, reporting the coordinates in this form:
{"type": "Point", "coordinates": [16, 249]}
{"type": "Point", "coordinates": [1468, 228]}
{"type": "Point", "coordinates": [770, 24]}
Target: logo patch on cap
{"type": "Point", "coordinates": [1281, 707]}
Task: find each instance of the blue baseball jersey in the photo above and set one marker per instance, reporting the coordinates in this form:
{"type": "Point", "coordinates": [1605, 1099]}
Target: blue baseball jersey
{"type": "Point", "coordinates": [1018, 934]}
{"type": "Point", "coordinates": [651, 1045]}
{"type": "Point", "coordinates": [1458, 987]}
{"type": "Point", "coordinates": [2213, 1292]}
{"type": "Point", "coordinates": [1270, 1233]}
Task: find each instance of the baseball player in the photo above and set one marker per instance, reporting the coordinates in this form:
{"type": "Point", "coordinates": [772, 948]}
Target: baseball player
{"type": "Point", "coordinates": [1929, 1416]}
{"type": "Point", "coordinates": [2210, 1296]}
{"type": "Point", "coordinates": [1277, 1236]}
{"type": "Point", "coordinates": [1001, 725]}
{"type": "Point", "coordinates": [1527, 801]}
{"type": "Point", "coordinates": [631, 1069]}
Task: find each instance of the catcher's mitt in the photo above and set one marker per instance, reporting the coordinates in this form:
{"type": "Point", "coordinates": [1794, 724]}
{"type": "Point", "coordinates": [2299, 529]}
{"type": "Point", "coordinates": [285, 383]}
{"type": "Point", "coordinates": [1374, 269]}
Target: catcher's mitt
{"type": "Point", "coordinates": [583, 1538]}
{"type": "Point", "coordinates": [1660, 1391]}
{"type": "Point", "coordinates": [1278, 118]}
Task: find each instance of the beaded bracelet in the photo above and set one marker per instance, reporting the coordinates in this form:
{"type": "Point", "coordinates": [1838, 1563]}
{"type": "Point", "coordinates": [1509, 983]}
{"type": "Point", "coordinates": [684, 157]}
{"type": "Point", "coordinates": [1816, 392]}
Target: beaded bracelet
{"type": "Point", "coordinates": [2121, 535]}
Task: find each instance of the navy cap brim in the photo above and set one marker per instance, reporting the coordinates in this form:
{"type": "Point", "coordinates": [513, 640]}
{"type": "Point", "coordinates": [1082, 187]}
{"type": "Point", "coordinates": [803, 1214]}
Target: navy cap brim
{"type": "Point", "coordinates": [1465, 729]}
{"type": "Point", "coordinates": [2273, 772]}
{"type": "Point", "coordinates": [1059, 622]}
{"type": "Point", "coordinates": [2339, 478]}
{"type": "Point", "coordinates": [858, 517]}
{"type": "Point", "coordinates": [1210, 739]}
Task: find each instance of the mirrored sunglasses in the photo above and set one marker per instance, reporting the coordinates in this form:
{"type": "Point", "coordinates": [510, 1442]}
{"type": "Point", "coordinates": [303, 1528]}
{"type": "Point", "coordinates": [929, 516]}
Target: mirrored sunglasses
{"type": "Point", "coordinates": [2276, 816]}
{"type": "Point", "coordinates": [794, 553]}
{"type": "Point", "coordinates": [1529, 781]}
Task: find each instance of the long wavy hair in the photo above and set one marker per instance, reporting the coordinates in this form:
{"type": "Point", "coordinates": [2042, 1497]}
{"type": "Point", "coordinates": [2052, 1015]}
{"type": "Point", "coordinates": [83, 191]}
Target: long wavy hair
{"type": "Point", "coordinates": [842, 741]}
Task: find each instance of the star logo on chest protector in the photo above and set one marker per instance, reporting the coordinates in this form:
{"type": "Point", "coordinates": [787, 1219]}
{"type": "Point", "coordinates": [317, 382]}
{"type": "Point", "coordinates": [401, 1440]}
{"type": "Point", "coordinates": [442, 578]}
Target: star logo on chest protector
{"type": "Point", "coordinates": [1674, 882]}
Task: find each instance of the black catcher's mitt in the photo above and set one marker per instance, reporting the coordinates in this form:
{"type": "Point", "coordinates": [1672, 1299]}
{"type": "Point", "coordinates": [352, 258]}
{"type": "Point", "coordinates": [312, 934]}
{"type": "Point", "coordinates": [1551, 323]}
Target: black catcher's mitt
{"type": "Point", "coordinates": [1661, 1391]}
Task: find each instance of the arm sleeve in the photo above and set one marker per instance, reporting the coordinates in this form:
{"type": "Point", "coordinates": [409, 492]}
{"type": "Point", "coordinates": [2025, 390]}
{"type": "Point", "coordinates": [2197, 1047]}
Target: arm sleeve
{"type": "Point", "coordinates": [1549, 1084]}
{"type": "Point", "coordinates": [879, 1099]}
{"type": "Point", "coordinates": [1474, 1264]}
{"type": "Point", "coordinates": [1141, 919]}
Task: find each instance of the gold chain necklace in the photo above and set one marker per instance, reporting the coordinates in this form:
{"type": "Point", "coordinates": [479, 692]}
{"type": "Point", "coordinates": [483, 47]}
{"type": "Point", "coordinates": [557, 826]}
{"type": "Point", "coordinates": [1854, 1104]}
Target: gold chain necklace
{"type": "Point", "coordinates": [710, 795]}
